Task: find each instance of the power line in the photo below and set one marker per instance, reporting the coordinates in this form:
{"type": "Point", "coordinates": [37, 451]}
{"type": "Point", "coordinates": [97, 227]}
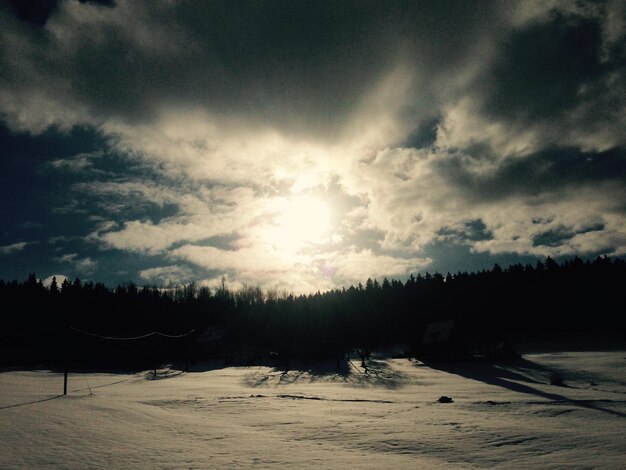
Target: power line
{"type": "Point", "coordinates": [131, 338]}
{"type": "Point", "coordinates": [96, 335]}
{"type": "Point", "coordinates": [165, 335]}
{"type": "Point", "coordinates": [115, 338]}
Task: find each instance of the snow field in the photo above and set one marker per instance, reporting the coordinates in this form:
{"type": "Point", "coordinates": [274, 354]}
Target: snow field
{"type": "Point", "coordinates": [503, 416]}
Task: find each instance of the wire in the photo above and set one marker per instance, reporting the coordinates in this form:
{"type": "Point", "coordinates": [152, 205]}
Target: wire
{"type": "Point", "coordinates": [116, 338]}
{"type": "Point", "coordinates": [174, 336]}
{"type": "Point", "coordinates": [131, 338]}
{"type": "Point", "coordinates": [96, 335]}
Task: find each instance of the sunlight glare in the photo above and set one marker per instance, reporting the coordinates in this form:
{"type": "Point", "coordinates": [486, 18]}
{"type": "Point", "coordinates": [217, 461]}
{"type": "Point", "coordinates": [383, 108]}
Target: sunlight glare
{"type": "Point", "coordinates": [302, 220]}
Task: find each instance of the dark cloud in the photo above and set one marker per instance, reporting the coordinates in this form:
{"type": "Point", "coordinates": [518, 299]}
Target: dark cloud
{"type": "Point", "coordinates": [470, 231]}
{"type": "Point", "coordinates": [104, 3]}
{"type": "Point", "coordinates": [560, 80]}
{"type": "Point", "coordinates": [303, 66]}
{"type": "Point", "coordinates": [223, 242]}
{"type": "Point", "coordinates": [545, 172]}
{"type": "Point", "coordinates": [35, 12]}
{"type": "Point", "coordinates": [424, 135]}
{"type": "Point", "coordinates": [287, 62]}
{"type": "Point", "coordinates": [541, 69]}
{"type": "Point", "coordinates": [561, 234]}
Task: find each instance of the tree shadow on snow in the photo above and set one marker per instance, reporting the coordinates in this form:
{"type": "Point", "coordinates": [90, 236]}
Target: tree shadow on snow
{"type": "Point", "coordinates": [32, 402]}
{"type": "Point", "coordinates": [517, 375]}
{"type": "Point", "coordinates": [378, 374]}
{"type": "Point", "coordinates": [160, 374]}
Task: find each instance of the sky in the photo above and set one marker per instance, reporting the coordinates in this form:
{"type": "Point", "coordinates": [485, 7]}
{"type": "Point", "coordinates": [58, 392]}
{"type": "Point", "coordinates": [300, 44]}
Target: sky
{"type": "Point", "coordinates": [305, 146]}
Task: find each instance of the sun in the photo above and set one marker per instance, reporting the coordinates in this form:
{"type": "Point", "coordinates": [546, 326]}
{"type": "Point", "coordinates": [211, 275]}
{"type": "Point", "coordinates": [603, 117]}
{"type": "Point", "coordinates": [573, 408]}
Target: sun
{"type": "Point", "coordinates": [302, 220]}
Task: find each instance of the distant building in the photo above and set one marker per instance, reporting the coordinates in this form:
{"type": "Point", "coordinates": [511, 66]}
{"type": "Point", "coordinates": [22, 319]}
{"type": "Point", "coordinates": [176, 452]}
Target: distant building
{"type": "Point", "coordinates": [437, 340]}
{"type": "Point", "coordinates": [438, 331]}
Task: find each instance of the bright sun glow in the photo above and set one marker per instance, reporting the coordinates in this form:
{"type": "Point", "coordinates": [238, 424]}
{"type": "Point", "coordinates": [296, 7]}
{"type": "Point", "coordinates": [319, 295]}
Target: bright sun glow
{"type": "Point", "coordinates": [301, 221]}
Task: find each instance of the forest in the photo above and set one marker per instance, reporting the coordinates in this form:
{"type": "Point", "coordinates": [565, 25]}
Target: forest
{"type": "Point", "coordinates": [92, 326]}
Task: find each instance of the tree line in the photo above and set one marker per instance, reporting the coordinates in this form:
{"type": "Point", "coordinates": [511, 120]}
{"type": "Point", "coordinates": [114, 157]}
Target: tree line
{"type": "Point", "coordinates": [96, 326]}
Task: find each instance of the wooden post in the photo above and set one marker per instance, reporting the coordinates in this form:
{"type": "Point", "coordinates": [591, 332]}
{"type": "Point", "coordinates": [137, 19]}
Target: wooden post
{"type": "Point", "coordinates": [65, 358]}
{"type": "Point", "coordinates": [65, 378]}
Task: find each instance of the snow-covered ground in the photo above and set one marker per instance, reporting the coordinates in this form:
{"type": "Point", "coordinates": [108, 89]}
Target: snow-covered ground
{"type": "Point", "coordinates": [501, 416]}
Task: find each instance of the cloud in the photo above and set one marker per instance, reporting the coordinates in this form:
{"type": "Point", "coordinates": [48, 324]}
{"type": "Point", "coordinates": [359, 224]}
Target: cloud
{"type": "Point", "coordinates": [557, 80]}
{"type": "Point", "coordinates": [349, 267]}
{"type": "Point", "coordinates": [166, 275]}
{"type": "Point", "coordinates": [467, 231]}
{"type": "Point", "coordinates": [270, 267]}
{"type": "Point", "coordinates": [556, 237]}
{"type": "Point", "coordinates": [492, 127]}
{"type": "Point", "coordinates": [145, 236]}
{"type": "Point", "coordinates": [76, 163]}
{"type": "Point", "coordinates": [306, 69]}
{"type": "Point", "coordinates": [542, 68]}
{"type": "Point", "coordinates": [320, 72]}
{"type": "Point", "coordinates": [258, 265]}
{"type": "Point", "coordinates": [60, 278]}
{"type": "Point", "coordinates": [201, 213]}
{"type": "Point", "coordinates": [85, 265]}
{"type": "Point", "coordinates": [580, 220]}
{"type": "Point", "coordinates": [67, 258]}
{"type": "Point", "coordinates": [418, 196]}
{"type": "Point", "coordinates": [12, 248]}
{"type": "Point", "coordinates": [35, 12]}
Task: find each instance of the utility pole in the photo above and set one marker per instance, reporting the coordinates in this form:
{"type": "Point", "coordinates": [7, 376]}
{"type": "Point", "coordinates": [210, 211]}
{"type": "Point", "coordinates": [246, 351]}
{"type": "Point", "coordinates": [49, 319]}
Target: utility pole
{"type": "Point", "coordinates": [65, 359]}
{"type": "Point", "coordinates": [65, 377]}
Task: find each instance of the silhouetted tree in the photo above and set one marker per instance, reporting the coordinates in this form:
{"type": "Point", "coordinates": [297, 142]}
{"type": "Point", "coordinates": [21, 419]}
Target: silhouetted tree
{"type": "Point", "coordinates": [486, 306]}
